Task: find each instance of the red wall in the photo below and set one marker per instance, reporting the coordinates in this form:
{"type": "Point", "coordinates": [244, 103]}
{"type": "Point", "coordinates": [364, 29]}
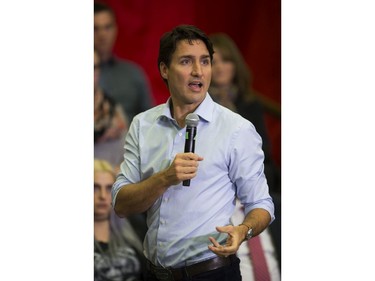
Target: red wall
{"type": "Point", "coordinates": [255, 25]}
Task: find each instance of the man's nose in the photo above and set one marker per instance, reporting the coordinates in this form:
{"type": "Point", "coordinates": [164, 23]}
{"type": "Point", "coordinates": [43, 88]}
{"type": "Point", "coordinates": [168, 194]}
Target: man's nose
{"type": "Point", "coordinates": [197, 69]}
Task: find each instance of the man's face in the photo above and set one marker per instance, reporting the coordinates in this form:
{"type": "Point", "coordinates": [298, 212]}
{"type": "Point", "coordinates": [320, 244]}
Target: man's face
{"type": "Point", "coordinates": [105, 32]}
{"type": "Point", "coordinates": [189, 73]}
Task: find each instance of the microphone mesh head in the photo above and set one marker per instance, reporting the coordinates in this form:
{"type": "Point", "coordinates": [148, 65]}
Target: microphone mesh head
{"type": "Point", "coordinates": [192, 119]}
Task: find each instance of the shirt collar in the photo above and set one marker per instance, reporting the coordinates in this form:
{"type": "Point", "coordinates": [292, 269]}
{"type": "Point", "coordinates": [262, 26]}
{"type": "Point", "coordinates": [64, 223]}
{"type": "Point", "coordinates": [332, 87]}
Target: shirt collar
{"type": "Point", "coordinates": [204, 110]}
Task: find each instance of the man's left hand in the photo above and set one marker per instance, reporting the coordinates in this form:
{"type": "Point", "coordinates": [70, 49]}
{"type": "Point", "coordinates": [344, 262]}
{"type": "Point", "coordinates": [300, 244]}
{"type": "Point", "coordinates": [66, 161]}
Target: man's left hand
{"type": "Point", "coordinates": [232, 244]}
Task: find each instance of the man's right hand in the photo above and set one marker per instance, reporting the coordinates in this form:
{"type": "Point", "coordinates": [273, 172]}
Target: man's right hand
{"type": "Point", "coordinates": [183, 167]}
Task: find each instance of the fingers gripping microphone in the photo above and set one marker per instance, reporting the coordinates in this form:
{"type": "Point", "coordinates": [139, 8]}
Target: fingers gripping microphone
{"type": "Point", "coordinates": [191, 121]}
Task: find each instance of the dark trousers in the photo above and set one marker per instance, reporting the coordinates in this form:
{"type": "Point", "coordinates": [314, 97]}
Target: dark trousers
{"type": "Point", "coordinates": [225, 273]}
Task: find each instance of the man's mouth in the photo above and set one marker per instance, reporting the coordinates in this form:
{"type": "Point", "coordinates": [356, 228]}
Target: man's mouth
{"type": "Point", "coordinates": [196, 85]}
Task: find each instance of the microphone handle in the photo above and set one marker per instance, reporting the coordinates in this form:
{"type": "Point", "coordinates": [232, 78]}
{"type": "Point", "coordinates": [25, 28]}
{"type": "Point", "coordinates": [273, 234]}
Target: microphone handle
{"type": "Point", "coordinates": [189, 145]}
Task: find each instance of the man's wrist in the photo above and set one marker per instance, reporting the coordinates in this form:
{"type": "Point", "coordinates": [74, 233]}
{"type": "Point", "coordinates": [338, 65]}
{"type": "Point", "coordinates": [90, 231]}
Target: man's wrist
{"type": "Point", "coordinates": [249, 231]}
{"type": "Point", "coordinates": [248, 227]}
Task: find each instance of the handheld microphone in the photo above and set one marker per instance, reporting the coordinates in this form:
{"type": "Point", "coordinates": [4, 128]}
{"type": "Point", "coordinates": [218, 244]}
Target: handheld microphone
{"type": "Point", "coordinates": [191, 121]}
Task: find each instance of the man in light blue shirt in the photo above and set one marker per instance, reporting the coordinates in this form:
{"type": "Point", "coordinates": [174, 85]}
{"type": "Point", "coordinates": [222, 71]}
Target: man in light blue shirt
{"type": "Point", "coordinates": [189, 232]}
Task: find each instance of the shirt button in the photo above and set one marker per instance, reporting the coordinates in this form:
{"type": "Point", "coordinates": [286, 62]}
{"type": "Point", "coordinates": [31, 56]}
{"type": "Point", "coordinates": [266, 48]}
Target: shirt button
{"type": "Point", "coordinates": [180, 134]}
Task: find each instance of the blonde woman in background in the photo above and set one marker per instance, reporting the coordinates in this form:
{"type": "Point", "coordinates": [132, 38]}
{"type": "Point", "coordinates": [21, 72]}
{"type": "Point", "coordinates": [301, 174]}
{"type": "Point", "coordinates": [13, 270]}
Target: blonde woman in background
{"type": "Point", "coordinates": [117, 248]}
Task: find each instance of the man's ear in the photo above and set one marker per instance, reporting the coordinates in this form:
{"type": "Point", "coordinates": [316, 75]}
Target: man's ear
{"type": "Point", "coordinates": [163, 70]}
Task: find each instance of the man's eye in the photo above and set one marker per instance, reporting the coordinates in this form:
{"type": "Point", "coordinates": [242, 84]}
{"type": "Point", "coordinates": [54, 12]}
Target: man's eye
{"type": "Point", "coordinates": [206, 62]}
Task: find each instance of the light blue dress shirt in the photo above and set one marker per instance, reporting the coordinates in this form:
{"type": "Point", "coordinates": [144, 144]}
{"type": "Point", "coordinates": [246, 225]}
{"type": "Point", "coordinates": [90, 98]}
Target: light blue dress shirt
{"type": "Point", "coordinates": [181, 220]}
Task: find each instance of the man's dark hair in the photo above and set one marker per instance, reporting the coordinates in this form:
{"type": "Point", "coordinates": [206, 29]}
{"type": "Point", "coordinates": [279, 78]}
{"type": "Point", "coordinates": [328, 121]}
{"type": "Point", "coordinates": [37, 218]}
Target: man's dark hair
{"type": "Point", "coordinates": [101, 7]}
{"type": "Point", "coordinates": [169, 41]}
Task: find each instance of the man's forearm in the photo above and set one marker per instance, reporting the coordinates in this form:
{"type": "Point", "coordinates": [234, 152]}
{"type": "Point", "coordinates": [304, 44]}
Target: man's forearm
{"type": "Point", "coordinates": [139, 197]}
{"type": "Point", "coordinates": [257, 219]}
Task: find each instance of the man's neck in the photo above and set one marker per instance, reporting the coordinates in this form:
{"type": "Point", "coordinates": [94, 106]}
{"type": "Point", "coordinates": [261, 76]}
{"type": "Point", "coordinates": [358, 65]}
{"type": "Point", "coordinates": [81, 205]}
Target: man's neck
{"type": "Point", "coordinates": [180, 111]}
{"type": "Point", "coordinates": [105, 57]}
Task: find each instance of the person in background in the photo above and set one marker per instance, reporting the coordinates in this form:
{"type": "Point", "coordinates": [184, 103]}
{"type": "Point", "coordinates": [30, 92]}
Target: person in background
{"type": "Point", "coordinates": [231, 86]}
{"type": "Point", "coordinates": [241, 79]}
{"type": "Point", "coordinates": [110, 127]}
{"type": "Point", "coordinates": [190, 236]}
{"type": "Point", "coordinates": [117, 248]}
{"type": "Point", "coordinates": [123, 79]}
{"type": "Point", "coordinates": [110, 122]}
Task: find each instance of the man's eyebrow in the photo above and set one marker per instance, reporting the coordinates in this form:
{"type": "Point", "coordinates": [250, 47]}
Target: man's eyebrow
{"type": "Point", "coordinates": [191, 56]}
{"type": "Point", "coordinates": [186, 57]}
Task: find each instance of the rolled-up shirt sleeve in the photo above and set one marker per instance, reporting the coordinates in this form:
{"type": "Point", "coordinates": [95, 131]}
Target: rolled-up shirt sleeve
{"type": "Point", "coordinates": [247, 170]}
{"type": "Point", "coordinates": [130, 163]}
{"type": "Point", "coordinates": [120, 182]}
